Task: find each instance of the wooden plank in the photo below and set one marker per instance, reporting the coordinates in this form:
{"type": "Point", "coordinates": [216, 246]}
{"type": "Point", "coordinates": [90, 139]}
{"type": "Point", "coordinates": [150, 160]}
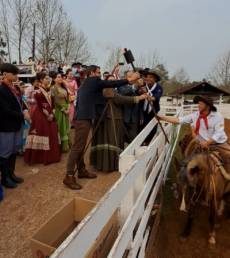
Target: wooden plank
{"type": "Point", "coordinates": [81, 240]}
{"type": "Point", "coordinates": [126, 232]}
{"type": "Point", "coordinates": [143, 247]}
{"type": "Point", "coordinates": [139, 234]}
{"type": "Point", "coordinates": [130, 150]}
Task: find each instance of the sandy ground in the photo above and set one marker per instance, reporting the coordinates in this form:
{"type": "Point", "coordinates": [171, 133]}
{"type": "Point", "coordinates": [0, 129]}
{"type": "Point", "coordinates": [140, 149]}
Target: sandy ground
{"type": "Point", "coordinates": [28, 206]}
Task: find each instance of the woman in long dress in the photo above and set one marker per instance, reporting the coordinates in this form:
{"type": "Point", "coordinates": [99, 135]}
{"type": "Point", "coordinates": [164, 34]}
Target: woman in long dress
{"type": "Point", "coordinates": [108, 141]}
{"type": "Point", "coordinates": [61, 103]}
{"type": "Point", "coordinates": [72, 87]}
{"type": "Point", "coordinates": [42, 144]}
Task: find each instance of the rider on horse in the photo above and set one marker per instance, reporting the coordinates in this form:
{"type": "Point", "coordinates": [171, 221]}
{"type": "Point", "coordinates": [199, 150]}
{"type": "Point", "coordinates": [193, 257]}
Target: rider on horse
{"type": "Point", "coordinates": [207, 127]}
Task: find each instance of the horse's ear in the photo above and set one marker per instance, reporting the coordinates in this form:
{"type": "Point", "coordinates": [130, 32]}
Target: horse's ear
{"type": "Point", "coordinates": [177, 163]}
{"type": "Point", "coordinates": [194, 170]}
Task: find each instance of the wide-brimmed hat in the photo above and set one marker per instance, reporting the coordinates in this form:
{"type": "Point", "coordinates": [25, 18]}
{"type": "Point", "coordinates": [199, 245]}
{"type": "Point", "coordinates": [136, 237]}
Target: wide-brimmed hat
{"type": "Point", "coordinates": [153, 72]}
{"type": "Point", "coordinates": [207, 100]}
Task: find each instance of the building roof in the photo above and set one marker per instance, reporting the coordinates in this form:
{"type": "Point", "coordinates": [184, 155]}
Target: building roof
{"type": "Point", "coordinates": [203, 88]}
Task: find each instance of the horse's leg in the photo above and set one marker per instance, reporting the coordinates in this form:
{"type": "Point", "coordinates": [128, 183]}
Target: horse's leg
{"type": "Point", "coordinates": [188, 225]}
{"type": "Point", "coordinates": [212, 222]}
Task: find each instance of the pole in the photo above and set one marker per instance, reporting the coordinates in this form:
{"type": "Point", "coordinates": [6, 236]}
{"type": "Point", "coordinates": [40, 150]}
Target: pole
{"type": "Point", "coordinates": [33, 41]}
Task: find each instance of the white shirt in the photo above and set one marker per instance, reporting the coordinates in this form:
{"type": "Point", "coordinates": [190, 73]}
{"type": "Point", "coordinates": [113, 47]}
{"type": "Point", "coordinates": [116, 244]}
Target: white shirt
{"type": "Point", "coordinates": [150, 94]}
{"type": "Point", "coordinates": [215, 129]}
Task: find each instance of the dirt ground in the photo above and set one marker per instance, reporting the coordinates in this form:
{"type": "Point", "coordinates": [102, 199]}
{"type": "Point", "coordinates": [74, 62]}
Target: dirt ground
{"type": "Point", "coordinates": [169, 244]}
{"type": "Point", "coordinates": [27, 207]}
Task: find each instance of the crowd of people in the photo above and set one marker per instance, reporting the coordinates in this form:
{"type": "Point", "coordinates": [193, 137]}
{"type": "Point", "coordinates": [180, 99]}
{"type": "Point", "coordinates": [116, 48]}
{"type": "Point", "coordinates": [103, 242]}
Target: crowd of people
{"type": "Point", "coordinates": [38, 117]}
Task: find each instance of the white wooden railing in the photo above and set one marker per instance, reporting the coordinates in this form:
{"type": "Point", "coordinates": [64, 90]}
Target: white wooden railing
{"type": "Point", "coordinates": [143, 170]}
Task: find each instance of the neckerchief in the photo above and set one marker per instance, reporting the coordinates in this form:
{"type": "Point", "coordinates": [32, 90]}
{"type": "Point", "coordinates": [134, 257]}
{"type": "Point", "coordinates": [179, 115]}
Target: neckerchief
{"type": "Point", "coordinates": [203, 116]}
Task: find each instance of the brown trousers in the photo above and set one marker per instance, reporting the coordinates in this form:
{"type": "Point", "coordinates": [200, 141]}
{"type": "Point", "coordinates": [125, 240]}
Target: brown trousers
{"type": "Point", "coordinates": [76, 155]}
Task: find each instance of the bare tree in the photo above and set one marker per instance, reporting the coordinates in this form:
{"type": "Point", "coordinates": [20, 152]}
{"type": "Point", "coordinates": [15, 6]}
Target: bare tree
{"type": "Point", "coordinates": [3, 53]}
{"type": "Point", "coordinates": [180, 76]}
{"type": "Point", "coordinates": [150, 60]}
{"type": "Point", "coordinates": [82, 52]}
{"type": "Point", "coordinates": [114, 57]}
{"type": "Point", "coordinates": [48, 18]}
{"type": "Point", "coordinates": [220, 74]}
{"type": "Point", "coordinates": [4, 24]}
{"type": "Point", "coordinates": [21, 10]}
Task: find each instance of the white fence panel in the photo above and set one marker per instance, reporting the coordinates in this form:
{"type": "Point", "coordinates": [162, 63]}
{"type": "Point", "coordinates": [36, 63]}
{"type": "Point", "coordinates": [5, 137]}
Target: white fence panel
{"type": "Point", "coordinates": [150, 166]}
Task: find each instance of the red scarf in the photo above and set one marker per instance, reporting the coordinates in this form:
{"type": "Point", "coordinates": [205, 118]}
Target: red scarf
{"type": "Point", "coordinates": [203, 116]}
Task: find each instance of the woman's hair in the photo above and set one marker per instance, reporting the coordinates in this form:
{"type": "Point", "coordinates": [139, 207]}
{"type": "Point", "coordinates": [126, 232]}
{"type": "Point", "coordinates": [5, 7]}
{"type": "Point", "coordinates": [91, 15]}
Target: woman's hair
{"type": "Point", "coordinates": [54, 76]}
{"type": "Point", "coordinates": [68, 71]}
{"type": "Point", "coordinates": [41, 76]}
{"type": "Point", "coordinates": [8, 68]}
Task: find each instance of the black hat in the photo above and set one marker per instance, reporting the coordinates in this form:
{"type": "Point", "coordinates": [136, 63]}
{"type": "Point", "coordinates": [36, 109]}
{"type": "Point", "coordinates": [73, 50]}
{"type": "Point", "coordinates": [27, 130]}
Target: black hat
{"type": "Point", "coordinates": [207, 100]}
{"type": "Point", "coordinates": [153, 72]}
{"type": "Point", "coordinates": [8, 68]}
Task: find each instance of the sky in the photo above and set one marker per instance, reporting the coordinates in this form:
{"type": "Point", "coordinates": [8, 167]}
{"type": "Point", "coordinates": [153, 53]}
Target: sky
{"type": "Point", "coordinates": [191, 34]}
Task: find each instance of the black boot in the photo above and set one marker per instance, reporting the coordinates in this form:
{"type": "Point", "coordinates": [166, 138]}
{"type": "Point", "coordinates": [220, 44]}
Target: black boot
{"type": "Point", "coordinates": [6, 180]}
{"type": "Point", "coordinates": [12, 162]}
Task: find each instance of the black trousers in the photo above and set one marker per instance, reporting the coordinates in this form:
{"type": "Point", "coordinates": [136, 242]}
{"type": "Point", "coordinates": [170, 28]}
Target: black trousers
{"type": "Point", "coordinates": [7, 166]}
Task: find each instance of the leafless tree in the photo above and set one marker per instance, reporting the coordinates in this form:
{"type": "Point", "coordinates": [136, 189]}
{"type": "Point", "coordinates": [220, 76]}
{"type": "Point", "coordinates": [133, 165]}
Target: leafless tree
{"type": "Point", "coordinates": [21, 11]}
{"type": "Point", "coordinates": [115, 55]}
{"type": "Point", "coordinates": [180, 76]}
{"type": "Point", "coordinates": [81, 52]}
{"type": "Point", "coordinates": [150, 60]}
{"type": "Point", "coordinates": [4, 24]}
{"type": "Point", "coordinates": [48, 18]}
{"type": "Point", "coordinates": [220, 74]}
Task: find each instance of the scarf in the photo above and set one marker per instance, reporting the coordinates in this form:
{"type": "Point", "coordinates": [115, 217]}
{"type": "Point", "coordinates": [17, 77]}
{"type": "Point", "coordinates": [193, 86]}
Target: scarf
{"type": "Point", "coordinates": [205, 118]}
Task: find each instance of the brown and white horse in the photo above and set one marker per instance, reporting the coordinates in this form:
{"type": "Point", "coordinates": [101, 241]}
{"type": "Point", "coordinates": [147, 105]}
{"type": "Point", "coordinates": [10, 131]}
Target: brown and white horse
{"type": "Point", "coordinates": [202, 177]}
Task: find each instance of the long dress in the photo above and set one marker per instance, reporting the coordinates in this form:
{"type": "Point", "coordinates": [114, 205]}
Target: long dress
{"type": "Point", "coordinates": [61, 103]}
{"type": "Point", "coordinates": [42, 144]}
{"type": "Point", "coordinates": [72, 89]}
{"type": "Point", "coordinates": [108, 141]}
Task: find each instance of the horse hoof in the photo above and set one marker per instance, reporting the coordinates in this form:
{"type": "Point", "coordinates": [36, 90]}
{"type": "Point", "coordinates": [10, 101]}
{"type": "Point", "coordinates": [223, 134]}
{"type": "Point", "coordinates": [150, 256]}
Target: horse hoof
{"type": "Point", "coordinates": [212, 240]}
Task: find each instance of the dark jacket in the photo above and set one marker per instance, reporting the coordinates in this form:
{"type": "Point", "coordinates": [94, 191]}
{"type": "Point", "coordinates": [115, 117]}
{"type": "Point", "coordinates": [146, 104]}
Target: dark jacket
{"type": "Point", "coordinates": [89, 93]}
{"type": "Point", "coordinates": [131, 113]}
{"type": "Point", "coordinates": [11, 116]}
{"type": "Point", "coordinates": [157, 93]}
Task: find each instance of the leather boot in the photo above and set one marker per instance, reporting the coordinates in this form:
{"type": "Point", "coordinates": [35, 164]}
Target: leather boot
{"type": "Point", "coordinates": [12, 162]}
{"type": "Point", "coordinates": [6, 180]}
{"type": "Point", "coordinates": [70, 182]}
{"type": "Point", "coordinates": [86, 174]}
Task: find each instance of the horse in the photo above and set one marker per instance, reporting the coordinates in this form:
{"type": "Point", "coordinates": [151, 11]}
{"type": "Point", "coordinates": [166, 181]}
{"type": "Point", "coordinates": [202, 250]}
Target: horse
{"type": "Point", "coordinates": [202, 176]}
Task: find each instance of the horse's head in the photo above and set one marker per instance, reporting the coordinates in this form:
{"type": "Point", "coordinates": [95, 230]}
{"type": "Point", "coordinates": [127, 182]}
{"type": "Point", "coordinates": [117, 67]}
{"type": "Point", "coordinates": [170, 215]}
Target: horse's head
{"type": "Point", "coordinates": [196, 169]}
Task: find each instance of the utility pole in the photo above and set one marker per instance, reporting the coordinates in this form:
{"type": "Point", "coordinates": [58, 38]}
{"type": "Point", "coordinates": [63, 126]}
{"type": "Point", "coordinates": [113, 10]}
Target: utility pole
{"type": "Point", "coordinates": [33, 41]}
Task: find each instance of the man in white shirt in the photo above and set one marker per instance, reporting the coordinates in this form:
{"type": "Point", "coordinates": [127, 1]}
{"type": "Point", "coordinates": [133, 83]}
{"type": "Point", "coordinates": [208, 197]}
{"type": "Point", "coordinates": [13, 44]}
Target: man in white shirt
{"type": "Point", "coordinates": [207, 126]}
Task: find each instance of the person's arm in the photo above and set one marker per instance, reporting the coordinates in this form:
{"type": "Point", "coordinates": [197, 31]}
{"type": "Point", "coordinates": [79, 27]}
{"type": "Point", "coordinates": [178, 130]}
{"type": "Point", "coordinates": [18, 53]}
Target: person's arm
{"type": "Point", "coordinates": [128, 100]}
{"type": "Point", "coordinates": [169, 119]}
{"type": "Point", "coordinates": [116, 84]}
{"type": "Point", "coordinates": [111, 84]}
{"type": "Point", "coordinates": [8, 113]}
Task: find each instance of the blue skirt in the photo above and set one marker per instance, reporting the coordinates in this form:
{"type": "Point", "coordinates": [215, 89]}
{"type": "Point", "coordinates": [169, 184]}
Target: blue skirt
{"type": "Point", "coordinates": [10, 143]}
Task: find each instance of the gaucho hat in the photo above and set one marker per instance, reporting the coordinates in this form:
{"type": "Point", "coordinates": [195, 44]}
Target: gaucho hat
{"type": "Point", "coordinates": [207, 100]}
